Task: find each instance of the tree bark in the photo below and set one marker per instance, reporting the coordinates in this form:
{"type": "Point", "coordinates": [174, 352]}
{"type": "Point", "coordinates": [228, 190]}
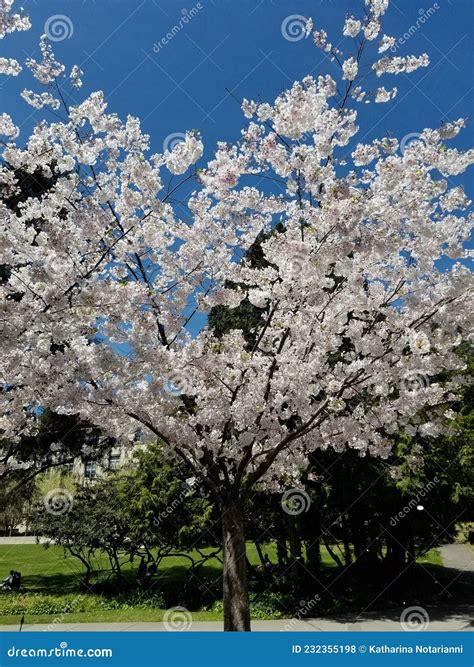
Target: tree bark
{"type": "Point", "coordinates": [236, 598]}
{"type": "Point", "coordinates": [346, 539]}
{"type": "Point", "coordinates": [282, 552]}
{"type": "Point", "coordinates": [259, 552]}
{"type": "Point", "coordinates": [312, 527]}
{"type": "Point", "coordinates": [296, 553]}
{"type": "Point", "coordinates": [86, 564]}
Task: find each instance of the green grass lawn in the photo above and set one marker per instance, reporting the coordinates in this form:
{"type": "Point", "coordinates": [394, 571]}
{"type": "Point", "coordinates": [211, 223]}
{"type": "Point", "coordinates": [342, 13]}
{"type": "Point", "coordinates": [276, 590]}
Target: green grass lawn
{"type": "Point", "coordinates": [432, 557]}
{"type": "Point", "coordinates": [48, 570]}
{"type": "Point", "coordinates": [104, 616]}
{"type": "Point", "coordinates": [53, 592]}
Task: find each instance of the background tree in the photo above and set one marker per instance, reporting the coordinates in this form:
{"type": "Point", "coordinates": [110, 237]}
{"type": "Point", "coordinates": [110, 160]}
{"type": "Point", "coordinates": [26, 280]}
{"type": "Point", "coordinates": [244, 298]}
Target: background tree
{"type": "Point", "coordinates": [146, 510]}
{"type": "Point", "coordinates": [167, 513]}
{"type": "Point", "coordinates": [53, 441]}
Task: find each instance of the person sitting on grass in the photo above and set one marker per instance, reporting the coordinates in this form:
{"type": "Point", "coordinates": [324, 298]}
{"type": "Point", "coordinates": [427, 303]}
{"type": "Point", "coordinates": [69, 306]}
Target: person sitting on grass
{"type": "Point", "coordinates": [16, 583]}
{"type": "Point", "coordinates": [141, 574]}
{"type": "Point", "coordinates": [267, 562]}
{"type": "Point", "coordinates": [7, 583]}
{"type": "Point", "coordinates": [151, 570]}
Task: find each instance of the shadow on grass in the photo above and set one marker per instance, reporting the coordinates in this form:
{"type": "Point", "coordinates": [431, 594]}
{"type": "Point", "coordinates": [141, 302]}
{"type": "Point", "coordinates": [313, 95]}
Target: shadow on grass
{"type": "Point", "coordinates": [343, 595]}
{"type": "Point", "coordinates": [444, 592]}
{"type": "Point", "coordinates": [61, 582]}
{"type": "Point", "coordinates": [455, 612]}
{"type": "Point", "coordinates": [52, 583]}
{"type": "Point", "coordinates": [441, 588]}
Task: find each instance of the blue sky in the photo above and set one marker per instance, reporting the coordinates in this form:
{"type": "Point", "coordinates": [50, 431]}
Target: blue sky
{"type": "Point", "coordinates": [238, 45]}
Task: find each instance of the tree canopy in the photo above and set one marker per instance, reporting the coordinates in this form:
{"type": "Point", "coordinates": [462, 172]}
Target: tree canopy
{"type": "Point", "coordinates": [357, 326]}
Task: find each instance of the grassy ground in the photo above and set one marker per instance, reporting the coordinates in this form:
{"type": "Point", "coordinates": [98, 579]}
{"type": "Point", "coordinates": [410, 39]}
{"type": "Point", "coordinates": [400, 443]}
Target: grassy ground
{"type": "Point", "coordinates": [47, 570]}
{"type": "Point", "coordinates": [104, 616]}
{"type": "Point", "coordinates": [433, 557]}
{"type": "Point", "coordinates": [53, 592]}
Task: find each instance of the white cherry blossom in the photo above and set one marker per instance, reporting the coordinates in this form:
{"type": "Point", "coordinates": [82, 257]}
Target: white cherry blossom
{"type": "Point", "coordinates": [356, 320]}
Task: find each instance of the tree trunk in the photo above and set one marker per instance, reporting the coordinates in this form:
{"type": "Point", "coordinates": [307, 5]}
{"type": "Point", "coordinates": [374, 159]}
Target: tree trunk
{"type": "Point", "coordinates": [282, 552]}
{"type": "Point", "coordinates": [313, 556]}
{"type": "Point", "coordinates": [260, 553]}
{"type": "Point", "coordinates": [296, 553]}
{"type": "Point", "coordinates": [295, 540]}
{"type": "Point", "coordinates": [85, 562]}
{"type": "Point", "coordinates": [236, 598]}
{"type": "Point", "coordinates": [346, 539]}
{"type": "Point", "coordinates": [333, 555]}
{"type": "Point", "coordinates": [312, 526]}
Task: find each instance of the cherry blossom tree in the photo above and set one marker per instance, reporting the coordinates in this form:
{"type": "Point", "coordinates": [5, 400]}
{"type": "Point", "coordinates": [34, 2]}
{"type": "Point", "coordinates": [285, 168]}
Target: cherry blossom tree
{"type": "Point", "coordinates": [357, 318]}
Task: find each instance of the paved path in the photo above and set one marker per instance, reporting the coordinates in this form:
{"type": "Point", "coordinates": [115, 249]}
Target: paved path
{"type": "Point", "coordinates": [458, 557]}
{"type": "Point", "coordinates": [441, 619]}
{"type": "Point", "coordinates": [21, 539]}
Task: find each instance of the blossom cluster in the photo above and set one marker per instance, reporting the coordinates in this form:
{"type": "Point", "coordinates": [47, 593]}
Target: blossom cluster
{"type": "Point", "coordinates": [104, 273]}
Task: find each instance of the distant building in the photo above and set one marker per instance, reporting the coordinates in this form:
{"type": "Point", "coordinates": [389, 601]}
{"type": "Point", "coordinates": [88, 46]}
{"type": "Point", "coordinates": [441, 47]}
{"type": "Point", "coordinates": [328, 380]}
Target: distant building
{"type": "Point", "coordinates": [121, 454]}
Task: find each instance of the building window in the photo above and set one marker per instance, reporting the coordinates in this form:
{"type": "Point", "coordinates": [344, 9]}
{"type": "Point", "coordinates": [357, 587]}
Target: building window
{"type": "Point", "coordinates": [68, 467]}
{"type": "Point", "coordinates": [114, 461]}
{"type": "Point", "coordinates": [90, 470]}
{"type": "Point", "coordinates": [138, 435]}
